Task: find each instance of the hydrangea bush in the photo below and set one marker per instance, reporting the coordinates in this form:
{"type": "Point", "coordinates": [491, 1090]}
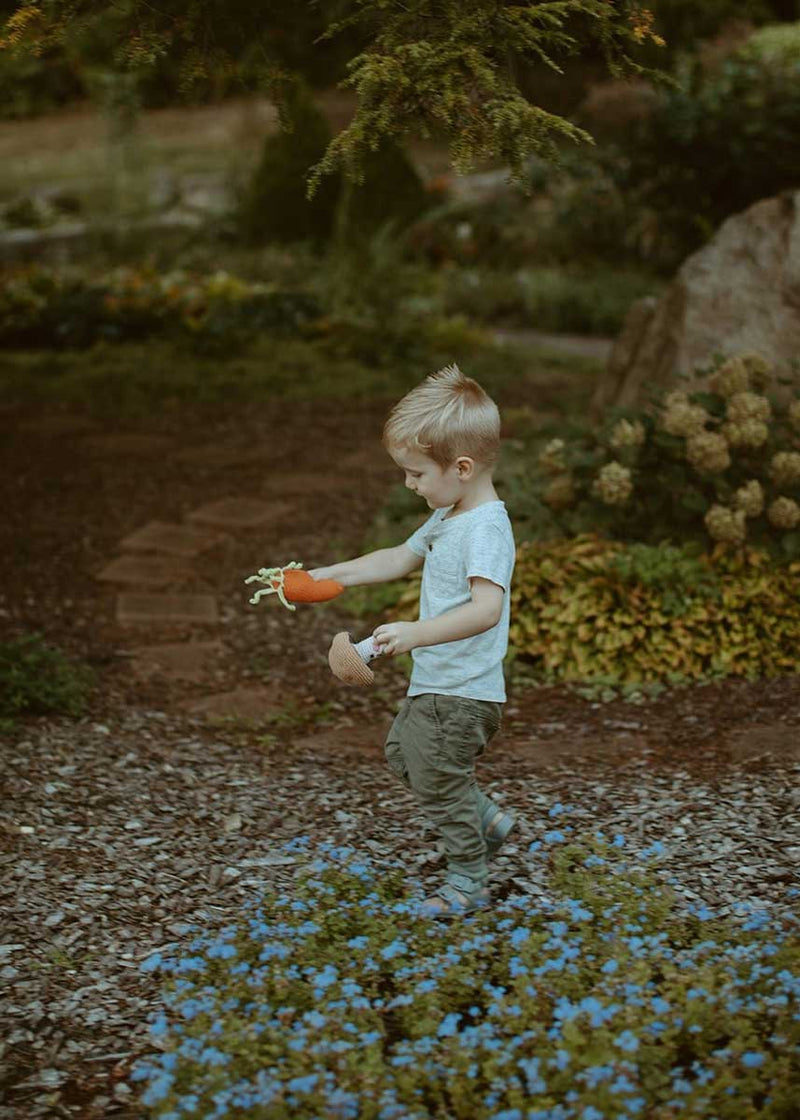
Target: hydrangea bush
{"type": "Point", "coordinates": [720, 464]}
{"type": "Point", "coordinates": [605, 996]}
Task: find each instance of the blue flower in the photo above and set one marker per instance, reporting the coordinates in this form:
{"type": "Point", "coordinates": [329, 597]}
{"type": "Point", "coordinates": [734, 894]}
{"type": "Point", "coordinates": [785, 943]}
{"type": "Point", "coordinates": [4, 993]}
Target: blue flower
{"type": "Point", "coordinates": [752, 1060]}
{"type": "Point", "coordinates": [609, 967]}
{"type": "Point", "coordinates": [305, 1084]}
{"type": "Point", "coordinates": [158, 1089]}
{"type": "Point", "coordinates": [448, 1025]}
{"type": "Point", "coordinates": [393, 950]}
{"type": "Point", "coordinates": [224, 951]}
{"type": "Point", "coordinates": [627, 1041]}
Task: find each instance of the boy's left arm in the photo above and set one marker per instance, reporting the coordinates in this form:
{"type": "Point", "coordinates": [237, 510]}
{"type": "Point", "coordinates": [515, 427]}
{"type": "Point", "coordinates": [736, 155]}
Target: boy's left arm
{"type": "Point", "coordinates": [482, 613]}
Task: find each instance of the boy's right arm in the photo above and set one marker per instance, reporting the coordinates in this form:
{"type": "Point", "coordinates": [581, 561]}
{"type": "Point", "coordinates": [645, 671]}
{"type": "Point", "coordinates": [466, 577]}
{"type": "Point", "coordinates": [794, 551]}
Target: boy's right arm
{"type": "Point", "coordinates": [375, 567]}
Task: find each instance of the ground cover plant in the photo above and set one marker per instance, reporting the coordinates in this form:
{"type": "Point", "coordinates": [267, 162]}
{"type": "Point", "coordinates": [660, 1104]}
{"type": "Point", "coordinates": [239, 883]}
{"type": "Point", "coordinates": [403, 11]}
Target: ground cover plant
{"type": "Point", "coordinates": [607, 996]}
{"type": "Point", "coordinates": [37, 678]}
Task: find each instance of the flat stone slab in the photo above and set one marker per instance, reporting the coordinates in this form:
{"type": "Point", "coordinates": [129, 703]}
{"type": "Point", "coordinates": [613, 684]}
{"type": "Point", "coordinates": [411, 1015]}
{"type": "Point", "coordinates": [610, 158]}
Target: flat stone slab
{"type": "Point", "coordinates": [122, 443]}
{"type": "Point", "coordinates": [183, 661]}
{"type": "Point", "coordinates": [133, 609]}
{"type": "Point", "coordinates": [239, 513]}
{"type": "Point", "coordinates": [221, 456]}
{"type": "Point", "coordinates": [56, 426]}
{"type": "Point", "coordinates": [302, 482]}
{"type": "Point", "coordinates": [355, 740]}
{"type": "Point", "coordinates": [254, 703]}
{"type": "Point", "coordinates": [145, 571]}
{"type": "Point", "coordinates": [175, 540]}
{"type": "Point", "coordinates": [762, 739]}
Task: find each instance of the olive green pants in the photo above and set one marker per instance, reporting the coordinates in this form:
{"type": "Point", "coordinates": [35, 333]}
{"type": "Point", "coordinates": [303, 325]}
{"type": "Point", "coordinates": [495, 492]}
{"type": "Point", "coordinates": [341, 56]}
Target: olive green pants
{"type": "Point", "coordinates": [432, 747]}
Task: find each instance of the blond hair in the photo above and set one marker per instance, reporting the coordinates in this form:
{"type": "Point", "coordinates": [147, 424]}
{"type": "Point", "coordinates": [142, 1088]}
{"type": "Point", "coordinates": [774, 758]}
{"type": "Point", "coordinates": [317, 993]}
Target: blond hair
{"type": "Point", "coordinates": [446, 416]}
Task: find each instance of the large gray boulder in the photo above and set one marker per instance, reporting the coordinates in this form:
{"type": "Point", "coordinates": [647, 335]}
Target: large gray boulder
{"type": "Point", "coordinates": [739, 292]}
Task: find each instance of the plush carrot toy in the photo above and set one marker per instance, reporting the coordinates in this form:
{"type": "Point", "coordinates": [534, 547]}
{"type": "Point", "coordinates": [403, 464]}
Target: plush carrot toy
{"type": "Point", "coordinates": [292, 585]}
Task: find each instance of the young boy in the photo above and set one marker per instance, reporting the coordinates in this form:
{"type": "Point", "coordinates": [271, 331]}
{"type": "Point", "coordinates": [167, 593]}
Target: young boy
{"type": "Point", "coordinates": [445, 436]}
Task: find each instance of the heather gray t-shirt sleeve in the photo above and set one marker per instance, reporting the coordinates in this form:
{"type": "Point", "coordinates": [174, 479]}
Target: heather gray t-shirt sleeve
{"type": "Point", "coordinates": [489, 553]}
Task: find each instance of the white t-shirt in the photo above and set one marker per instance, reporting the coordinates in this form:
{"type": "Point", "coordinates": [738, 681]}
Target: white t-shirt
{"type": "Point", "coordinates": [478, 542]}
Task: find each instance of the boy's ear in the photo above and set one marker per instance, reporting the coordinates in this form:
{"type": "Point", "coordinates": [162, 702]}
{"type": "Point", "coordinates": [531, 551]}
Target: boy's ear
{"type": "Point", "coordinates": [465, 465]}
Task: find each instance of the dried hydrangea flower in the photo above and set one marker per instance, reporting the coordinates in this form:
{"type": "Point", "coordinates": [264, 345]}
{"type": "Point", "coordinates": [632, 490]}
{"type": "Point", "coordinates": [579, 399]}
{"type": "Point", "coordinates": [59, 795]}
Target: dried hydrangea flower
{"type": "Point", "coordinates": [784, 513]}
{"type": "Point", "coordinates": [708, 451]}
{"type": "Point", "coordinates": [613, 485]}
{"type": "Point", "coordinates": [560, 492]}
{"type": "Point", "coordinates": [750, 498]}
{"type": "Point", "coordinates": [758, 368]}
{"type": "Point", "coordinates": [681, 417]}
{"type": "Point", "coordinates": [726, 525]}
{"type": "Point", "coordinates": [627, 434]}
{"type": "Point", "coordinates": [785, 468]}
{"type": "Point", "coordinates": [747, 433]}
{"type": "Point", "coordinates": [748, 406]}
{"type": "Point", "coordinates": [551, 458]}
{"type": "Point", "coordinates": [731, 377]}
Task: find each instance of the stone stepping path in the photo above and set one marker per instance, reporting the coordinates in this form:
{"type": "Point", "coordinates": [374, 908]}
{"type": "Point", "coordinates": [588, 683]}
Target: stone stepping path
{"type": "Point", "coordinates": [156, 561]}
{"type": "Point", "coordinates": [220, 456]}
{"type": "Point", "coordinates": [122, 443]}
{"type": "Point", "coordinates": [134, 609]}
{"type": "Point", "coordinates": [255, 703]}
{"type": "Point", "coordinates": [239, 513]}
{"type": "Point", "coordinates": [145, 571]}
{"type": "Point", "coordinates": [183, 661]}
{"type": "Point", "coordinates": [175, 540]}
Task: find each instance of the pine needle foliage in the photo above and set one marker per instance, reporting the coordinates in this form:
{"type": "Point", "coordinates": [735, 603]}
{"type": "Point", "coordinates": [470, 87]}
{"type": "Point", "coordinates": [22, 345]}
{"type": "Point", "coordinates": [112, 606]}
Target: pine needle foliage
{"type": "Point", "coordinates": [439, 68]}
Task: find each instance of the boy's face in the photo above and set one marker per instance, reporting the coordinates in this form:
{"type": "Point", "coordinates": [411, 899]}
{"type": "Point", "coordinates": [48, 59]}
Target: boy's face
{"type": "Point", "coordinates": [440, 487]}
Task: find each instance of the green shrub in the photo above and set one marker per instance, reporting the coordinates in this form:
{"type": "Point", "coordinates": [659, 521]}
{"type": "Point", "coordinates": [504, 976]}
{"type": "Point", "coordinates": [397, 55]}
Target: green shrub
{"type": "Point", "coordinates": [32, 85]}
{"type": "Point", "coordinates": [38, 679]}
{"type": "Point", "coordinates": [43, 307]}
{"type": "Point", "coordinates": [560, 299]}
{"type": "Point", "coordinates": [392, 192]}
{"type": "Point", "coordinates": [608, 996]}
{"type": "Point", "coordinates": [722, 140]}
{"type": "Point", "coordinates": [275, 207]}
{"type": "Point", "coordinates": [719, 464]}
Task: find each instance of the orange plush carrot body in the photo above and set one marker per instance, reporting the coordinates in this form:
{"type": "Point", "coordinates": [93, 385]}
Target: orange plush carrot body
{"type": "Point", "coordinates": [292, 585]}
{"type": "Point", "coordinates": [300, 587]}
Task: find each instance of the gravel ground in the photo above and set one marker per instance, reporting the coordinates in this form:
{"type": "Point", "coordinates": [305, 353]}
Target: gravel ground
{"type": "Point", "coordinates": [118, 835]}
{"type": "Point", "coordinates": [119, 830]}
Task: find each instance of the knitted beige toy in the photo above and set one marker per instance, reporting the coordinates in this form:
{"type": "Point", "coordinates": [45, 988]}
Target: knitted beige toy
{"type": "Point", "coordinates": [349, 662]}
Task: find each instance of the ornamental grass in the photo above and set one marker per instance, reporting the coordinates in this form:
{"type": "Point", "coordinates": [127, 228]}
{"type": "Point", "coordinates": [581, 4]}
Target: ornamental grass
{"type": "Point", "coordinates": [605, 996]}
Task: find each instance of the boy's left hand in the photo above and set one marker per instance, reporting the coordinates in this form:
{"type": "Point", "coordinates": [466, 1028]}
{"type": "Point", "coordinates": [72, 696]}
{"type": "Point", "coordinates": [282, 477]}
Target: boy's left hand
{"type": "Point", "coordinates": [396, 637]}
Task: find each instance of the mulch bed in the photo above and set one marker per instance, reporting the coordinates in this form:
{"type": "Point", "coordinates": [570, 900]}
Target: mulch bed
{"type": "Point", "coordinates": [120, 829]}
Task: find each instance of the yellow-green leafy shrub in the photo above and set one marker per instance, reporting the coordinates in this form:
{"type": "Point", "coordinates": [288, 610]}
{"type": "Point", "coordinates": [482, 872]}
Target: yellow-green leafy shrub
{"type": "Point", "coordinates": [590, 609]}
{"type": "Point", "coordinates": [579, 612]}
